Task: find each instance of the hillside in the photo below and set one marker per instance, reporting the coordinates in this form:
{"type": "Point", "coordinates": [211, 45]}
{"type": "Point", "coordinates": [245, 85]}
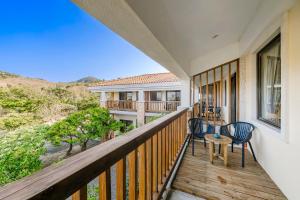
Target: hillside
{"type": "Point", "coordinates": [88, 79]}
{"type": "Point", "coordinates": [28, 101]}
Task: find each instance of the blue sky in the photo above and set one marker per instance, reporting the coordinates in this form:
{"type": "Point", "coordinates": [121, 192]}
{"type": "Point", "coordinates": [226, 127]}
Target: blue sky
{"type": "Point", "coordinates": [57, 41]}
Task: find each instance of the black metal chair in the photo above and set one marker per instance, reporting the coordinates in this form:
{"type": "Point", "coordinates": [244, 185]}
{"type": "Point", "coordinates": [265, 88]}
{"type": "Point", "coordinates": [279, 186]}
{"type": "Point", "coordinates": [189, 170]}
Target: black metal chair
{"type": "Point", "coordinates": [218, 113]}
{"type": "Point", "coordinates": [242, 134]}
{"type": "Point", "coordinates": [197, 131]}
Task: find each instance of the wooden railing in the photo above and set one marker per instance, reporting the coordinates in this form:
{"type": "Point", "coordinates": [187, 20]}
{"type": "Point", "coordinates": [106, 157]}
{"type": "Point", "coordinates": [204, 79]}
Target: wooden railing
{"type": "Point", "coordinates": [161, 106]}
{"type": "Point", "coordinates": [121, 105]}
{"type": "Point", "coordinates": [151, 152]}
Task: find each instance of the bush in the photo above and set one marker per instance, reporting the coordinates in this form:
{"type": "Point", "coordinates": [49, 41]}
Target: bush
{"type": "Point", "coordinates": [20, 153]}
{"type": "Point", "coordinates": [19, 100]}
{"type": "Point", "coordinates": [13, 121]}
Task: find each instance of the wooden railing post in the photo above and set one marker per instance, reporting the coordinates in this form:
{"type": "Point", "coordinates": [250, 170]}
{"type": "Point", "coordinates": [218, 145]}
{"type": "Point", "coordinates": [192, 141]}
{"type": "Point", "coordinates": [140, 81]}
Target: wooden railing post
{"type": "Point", "coordinates": [104, 185]}
{"type": "Point", "coordinates": [149, 175]}
{"type": "Point", "coordinates": [154, 163]}
{"type": "Point", "coordinates": [80, 194]}
{"type": "Point", "coordinates": [132, 170]}
{"type": "Point", "coordinates": [159, 157]}
{"type": "Point", "coordinates": [121, 179]}
{"type": "Point", "coordinates": [142, 171]}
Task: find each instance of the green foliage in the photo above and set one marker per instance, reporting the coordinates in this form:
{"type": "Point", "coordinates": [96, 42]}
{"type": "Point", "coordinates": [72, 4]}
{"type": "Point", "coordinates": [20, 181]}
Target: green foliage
{"type": "Point", "coordinates": [82, 126]}
{"type": "Point", "coordinates": [62, 94]}
{"type": "Point", "coordinates": [89, 102]}
{"type": "Point", "coordinates": [19, 100]}
{"type": "Point", "coordinates": [20, 153]}
{"type": "Point", "coordinates": [13, 121]}
{"type": "Point", "coordinates": [93, 191]}
{"type": "Point", "coordinates": [62, 131]}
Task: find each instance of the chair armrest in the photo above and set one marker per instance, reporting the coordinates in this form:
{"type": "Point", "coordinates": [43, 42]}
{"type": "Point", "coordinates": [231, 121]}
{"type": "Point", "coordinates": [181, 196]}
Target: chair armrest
{"type": "Point", "coordinates": [224, 131]}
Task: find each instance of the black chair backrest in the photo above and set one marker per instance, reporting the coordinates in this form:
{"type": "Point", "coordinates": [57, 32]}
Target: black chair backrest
{"type": "Point", "coordinates": [195, 125]}
{"type": "Point", "coordinates": [243, 131]}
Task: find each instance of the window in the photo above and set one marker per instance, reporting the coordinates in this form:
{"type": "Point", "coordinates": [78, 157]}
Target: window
{"type": "Point", "coordinates": [155, 96]}
{"type": "Point", "coordinates": [269, 83]}
{"type": "Point", "coordinates": [125, 96]}
{"type": "Point", "coordinates": [173, 95]}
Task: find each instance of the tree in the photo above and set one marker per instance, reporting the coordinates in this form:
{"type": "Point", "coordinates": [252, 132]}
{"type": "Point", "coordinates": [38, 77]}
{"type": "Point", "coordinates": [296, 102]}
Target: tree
{"type": "Point", "coordinates": [63, 131]}
{"type": "Point", "coordinates": [83, 126]}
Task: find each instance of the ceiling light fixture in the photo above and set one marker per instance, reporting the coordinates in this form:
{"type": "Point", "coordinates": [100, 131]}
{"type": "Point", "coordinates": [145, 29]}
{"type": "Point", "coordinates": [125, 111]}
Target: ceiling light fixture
{"type": "Point", "coordinates": [215, 36]}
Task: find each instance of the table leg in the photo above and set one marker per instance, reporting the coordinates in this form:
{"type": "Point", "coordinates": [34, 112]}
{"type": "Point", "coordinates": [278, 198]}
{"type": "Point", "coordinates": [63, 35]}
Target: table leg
{"type": "Point", "coordinates": [211, 151]}
{"type": "Point", "coordinates": [225, 154]}
{"type": "Point", "coordinates": [222, 149]}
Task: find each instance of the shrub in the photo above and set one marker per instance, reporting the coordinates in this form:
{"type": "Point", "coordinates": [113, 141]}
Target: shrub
{"type": "Point", "coordinates": [19, 100]}
{"type": "Point", "coordinates": [20, 153]}
{"type": "Point", "coordinates": [13, 121]}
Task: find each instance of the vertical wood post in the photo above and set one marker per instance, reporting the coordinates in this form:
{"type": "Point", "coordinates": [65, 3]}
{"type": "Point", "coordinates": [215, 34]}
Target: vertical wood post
{"type": "Point", "coordinates": [159, 157]}
{"type": "Point", "coordinates": [142, 171]}
{"type": "Point", "coordinates": [214, 96]}
{"type": "Point", "coordinates": [132, 170]}
{"type": "Point", "coordinates": [149, 169]}
{"type": "Point", "coordinates": [229, 93]}
{"type": "Point", "coordinates": [206, 101]}
{"type": "Point", "coordinates": [80, 194]}
{"type": "Point", "coordinates": [155, 163]}
{"type": "Point", "coordinates": [238, 89]}
{"type": "Point", "coordinates": [221, 96]}
{"type": "Point", "coordinates": [104, 185]}
{"type": "Point", "coordinates": [121, 179]}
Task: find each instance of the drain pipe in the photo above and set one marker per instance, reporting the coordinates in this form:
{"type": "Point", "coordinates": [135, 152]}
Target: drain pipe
{"type": "Point", "coordinates": [168, 187]}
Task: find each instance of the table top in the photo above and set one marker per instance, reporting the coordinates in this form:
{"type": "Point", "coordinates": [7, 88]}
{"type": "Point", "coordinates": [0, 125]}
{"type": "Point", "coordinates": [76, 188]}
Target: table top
{"type": "Point", "coordinates": [222, 140]}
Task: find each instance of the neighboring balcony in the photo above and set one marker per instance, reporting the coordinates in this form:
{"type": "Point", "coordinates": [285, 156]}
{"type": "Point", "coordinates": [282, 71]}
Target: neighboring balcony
{"type": "Point", "coordinates": [150, 106]}
{"type": "Point", "coordinates": [161, 106]}
{"type": "Point", "coordinates": [124, 105]}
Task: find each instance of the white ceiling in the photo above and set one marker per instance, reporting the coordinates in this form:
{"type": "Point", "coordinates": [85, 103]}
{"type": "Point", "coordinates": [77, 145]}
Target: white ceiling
{"type": "Point", "coordinates": [185, 27]}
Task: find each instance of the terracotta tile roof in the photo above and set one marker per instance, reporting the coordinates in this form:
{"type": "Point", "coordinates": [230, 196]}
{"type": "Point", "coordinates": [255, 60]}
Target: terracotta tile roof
{"type": "Point", "coordinates": [142, 79]}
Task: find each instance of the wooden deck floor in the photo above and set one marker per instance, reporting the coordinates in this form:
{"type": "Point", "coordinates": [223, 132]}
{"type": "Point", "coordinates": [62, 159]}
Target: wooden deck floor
{"type": "Point", "coordinates": [199, 177]}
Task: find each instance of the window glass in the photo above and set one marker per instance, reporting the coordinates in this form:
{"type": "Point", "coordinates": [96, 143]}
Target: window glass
{"type": "Point", "coordinates": [173, 95]}
{"type": "Point", "coordinates": [123, 96]}
{"type": "Point", "coordinates": [269, 83]}
{"type": "Point", "coordinates": [155, 96]}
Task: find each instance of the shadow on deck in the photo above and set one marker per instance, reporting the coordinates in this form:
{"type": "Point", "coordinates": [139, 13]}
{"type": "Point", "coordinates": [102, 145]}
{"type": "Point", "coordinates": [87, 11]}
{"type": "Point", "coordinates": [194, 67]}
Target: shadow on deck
{"type": "Point", "coordinates": [197, 176]}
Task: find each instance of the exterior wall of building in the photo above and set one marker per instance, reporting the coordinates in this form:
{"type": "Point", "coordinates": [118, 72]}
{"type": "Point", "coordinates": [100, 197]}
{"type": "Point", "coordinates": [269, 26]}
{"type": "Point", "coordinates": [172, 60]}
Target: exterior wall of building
{"type": "Point", "coordinates": [277, 150]}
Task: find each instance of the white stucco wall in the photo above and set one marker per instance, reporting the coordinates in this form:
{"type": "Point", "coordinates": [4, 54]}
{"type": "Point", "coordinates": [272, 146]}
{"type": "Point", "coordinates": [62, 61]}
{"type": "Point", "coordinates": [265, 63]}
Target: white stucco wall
{"type": "Point", "coordinates": [278, 151]}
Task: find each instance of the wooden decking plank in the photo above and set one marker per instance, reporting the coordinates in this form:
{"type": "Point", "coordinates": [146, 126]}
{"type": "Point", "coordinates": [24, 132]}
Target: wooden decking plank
{"type": "Point", "coordinates": [198, 177]}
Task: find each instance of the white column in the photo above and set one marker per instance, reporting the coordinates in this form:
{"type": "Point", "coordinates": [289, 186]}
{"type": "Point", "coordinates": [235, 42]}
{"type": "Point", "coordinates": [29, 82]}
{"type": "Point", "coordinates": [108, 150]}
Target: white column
{"type": "Point", "coordinates": [185, 93]}
{"type": "Point", "coordinates": [103, 99]}
{"type": "Point", "coordinates": [141, 109]}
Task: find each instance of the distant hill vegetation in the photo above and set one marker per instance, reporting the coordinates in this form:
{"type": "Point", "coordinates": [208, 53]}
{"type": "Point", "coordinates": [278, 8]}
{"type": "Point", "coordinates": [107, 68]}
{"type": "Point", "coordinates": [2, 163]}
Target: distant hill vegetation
{"type": "Point", "coordinates": [88, 79]}
{"type": "Point", "coordinates": [7, 75]}
{"type": "Point", "coordinates": [27, 101]}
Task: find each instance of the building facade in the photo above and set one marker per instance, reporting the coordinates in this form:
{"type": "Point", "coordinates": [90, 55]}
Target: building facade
{"type": "Point", "coordinates": [136, 100]}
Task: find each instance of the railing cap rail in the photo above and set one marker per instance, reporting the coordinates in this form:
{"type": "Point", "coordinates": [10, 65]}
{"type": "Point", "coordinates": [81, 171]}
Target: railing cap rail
{"type": "Point", "coordinates": [62, 179]}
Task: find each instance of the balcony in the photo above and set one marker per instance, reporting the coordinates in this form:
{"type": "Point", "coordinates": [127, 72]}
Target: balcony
{"type": "Point", "coordinates": [121, 105]}
{"type": "Point", "coordinates": [161, 106]}
{"type": "Point", "coordinates": [144, 163]}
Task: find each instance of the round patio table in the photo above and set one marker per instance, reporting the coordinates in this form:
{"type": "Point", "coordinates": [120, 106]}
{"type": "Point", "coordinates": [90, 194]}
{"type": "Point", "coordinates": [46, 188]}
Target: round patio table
{"type": "Point", "coordinates": [223, 141]}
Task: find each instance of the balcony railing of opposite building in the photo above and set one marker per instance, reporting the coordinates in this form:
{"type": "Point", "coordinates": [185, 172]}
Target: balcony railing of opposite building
{"type": "Point", "coordinates": [121, 105]}
{"type": "Point", "coordinates": [149, 153]}
{"type": "Point", "coordinates": [161, 106]}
